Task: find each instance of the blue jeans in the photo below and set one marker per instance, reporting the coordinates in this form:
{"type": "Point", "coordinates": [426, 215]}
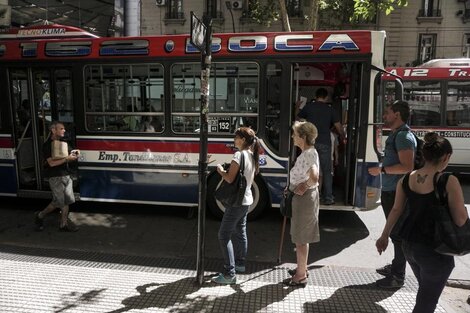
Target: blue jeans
{"type": "Point", "coordinates": [431, 270]}
{"type": "Point", "coordinates": [324, 154]}
{"type": "Point", "coordinates": [232, 238]}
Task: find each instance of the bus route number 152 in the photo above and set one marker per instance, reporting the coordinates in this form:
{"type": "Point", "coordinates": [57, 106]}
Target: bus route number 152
{"type": "Point", "coordinates": [220, 125]}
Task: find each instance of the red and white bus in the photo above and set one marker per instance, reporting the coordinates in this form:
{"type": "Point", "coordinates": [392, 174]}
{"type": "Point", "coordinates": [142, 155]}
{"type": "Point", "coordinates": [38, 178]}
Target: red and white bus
{"type": "Point", "coordinates": [439, 95]}
{"type": "Point", "coordinates": [131, 105]}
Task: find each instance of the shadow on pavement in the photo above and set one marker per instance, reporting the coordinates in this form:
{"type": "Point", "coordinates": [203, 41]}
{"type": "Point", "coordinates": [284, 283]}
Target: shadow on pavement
{"type": "Point", "coordinates": [354, 298]}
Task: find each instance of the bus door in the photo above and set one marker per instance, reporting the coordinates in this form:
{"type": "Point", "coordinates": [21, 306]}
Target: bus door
{"type": "Point", "coordinates": [39, 96]}
{"type": "Point", "coordinates": [343, 83]}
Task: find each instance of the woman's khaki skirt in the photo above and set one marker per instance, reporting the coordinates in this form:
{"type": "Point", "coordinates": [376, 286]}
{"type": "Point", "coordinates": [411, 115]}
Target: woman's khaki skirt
{"type": "Point", "coordinates": [304, 226]}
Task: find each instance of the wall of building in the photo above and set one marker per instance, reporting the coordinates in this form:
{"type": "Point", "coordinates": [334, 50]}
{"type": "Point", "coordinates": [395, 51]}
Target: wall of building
{"type": "Point", "coordinates": [403, 27]}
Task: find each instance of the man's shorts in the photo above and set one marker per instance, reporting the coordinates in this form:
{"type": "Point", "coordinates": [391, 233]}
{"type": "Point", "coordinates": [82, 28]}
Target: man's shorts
{"type": "Point", "coordinates": [62, 191]}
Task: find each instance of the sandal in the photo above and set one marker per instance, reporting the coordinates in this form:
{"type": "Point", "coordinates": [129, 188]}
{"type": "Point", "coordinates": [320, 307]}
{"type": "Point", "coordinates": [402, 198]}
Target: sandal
{"type": "Point", "coordinates": [292, 283]}
{"type": "Point", "coordinates": [293, 271]}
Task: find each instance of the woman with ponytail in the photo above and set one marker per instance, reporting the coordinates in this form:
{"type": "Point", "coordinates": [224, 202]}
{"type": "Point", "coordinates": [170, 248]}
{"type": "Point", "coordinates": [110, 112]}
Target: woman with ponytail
{"type": "Point", "coordinates": [232, 232]}
{"type": "Point", "coordinates": [416, 190]}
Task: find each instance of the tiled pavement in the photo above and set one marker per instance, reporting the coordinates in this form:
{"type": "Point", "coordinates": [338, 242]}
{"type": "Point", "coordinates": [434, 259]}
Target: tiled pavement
{"type": "Point", "coordinates": [53, 280]}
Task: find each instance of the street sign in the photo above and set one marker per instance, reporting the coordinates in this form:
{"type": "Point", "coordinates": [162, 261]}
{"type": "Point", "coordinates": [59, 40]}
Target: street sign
{"type": "Point", "coordinates": [198, 33]}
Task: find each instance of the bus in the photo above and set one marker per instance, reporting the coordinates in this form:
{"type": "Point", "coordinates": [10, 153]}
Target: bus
{"type": "Point", "coordinates": [438, 92]}
{"type": "Point", "coordinates": [131, 105]}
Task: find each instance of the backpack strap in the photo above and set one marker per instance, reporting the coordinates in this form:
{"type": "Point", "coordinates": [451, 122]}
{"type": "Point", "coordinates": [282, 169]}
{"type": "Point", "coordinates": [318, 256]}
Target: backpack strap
{"type": "Point", "coordinates": [440, 183]}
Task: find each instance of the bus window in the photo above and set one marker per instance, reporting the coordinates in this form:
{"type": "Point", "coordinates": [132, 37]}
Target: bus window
{"type": "Point", "coordinates": [273, 106]}
{"type": "Point", "coordinates": [125, 98]}
{"type": "Point", "coordinates": [424, 98]}
{"type": "Point", "coordinates": [233, 97]}
{"type": "Point", "coordinates": [458, 104]}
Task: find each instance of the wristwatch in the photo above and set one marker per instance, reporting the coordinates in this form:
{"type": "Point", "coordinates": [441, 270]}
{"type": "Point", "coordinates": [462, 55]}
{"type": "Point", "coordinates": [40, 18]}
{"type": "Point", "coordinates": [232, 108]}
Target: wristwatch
{"type": "Point", "coordinates": [383, 170]}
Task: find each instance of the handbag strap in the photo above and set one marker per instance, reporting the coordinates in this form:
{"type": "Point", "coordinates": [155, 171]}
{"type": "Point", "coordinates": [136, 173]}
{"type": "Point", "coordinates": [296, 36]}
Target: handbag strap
{"type": "Point", "coordinates": [242, 163]}
{"type": "Point", "coordinates": [440, 183]}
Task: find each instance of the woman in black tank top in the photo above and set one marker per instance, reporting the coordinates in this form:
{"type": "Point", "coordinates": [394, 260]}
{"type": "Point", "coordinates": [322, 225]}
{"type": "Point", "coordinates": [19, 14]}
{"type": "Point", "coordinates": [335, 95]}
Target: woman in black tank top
{"type": "Point", "coordinates": [414, 198]}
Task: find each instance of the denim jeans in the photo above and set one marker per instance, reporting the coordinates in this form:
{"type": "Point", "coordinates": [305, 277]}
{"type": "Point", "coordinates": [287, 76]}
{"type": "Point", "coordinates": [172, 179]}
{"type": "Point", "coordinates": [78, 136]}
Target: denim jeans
{"type": "Point", "coordinates": [324, 154]}
{"type": "Point", "coordinates": [431, 270]}
{"type": "Point", "coordinates": [232, 238]}
{"type": "Point", "coordinates": [399, 262]}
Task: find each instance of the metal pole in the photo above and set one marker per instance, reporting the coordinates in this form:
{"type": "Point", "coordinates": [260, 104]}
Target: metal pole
{"type": "Point", "coordinates": [205, 74]}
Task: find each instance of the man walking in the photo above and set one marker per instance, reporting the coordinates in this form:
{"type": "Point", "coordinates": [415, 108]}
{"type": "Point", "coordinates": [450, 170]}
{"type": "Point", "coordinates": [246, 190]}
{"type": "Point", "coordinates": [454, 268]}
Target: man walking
{"type": "Point", "coordinates": [400, 149]}
{"type": "Point", "coordinates": [60, 182]}
{"type": "Point", "coordinates": [323, 116]}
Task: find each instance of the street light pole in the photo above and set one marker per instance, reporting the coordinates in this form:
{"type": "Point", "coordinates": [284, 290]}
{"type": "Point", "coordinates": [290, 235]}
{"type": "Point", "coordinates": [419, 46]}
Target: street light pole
{"type": "Point", "coordinates": [228, 4]}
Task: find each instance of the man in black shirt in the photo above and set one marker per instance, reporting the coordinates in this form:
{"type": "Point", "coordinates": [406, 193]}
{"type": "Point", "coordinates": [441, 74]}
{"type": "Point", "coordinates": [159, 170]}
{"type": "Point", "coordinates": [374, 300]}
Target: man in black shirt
{"type": "Point", "coordinates": [323, 116]}
{"type": "Point", "coordinates": [60, 182]}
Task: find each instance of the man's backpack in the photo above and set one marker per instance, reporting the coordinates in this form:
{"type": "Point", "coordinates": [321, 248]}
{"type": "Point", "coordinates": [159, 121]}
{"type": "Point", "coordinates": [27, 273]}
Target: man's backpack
{"type": "Point", "coordinates": [419, 158]}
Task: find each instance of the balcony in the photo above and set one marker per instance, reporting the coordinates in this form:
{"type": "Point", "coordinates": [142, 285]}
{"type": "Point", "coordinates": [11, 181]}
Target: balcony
{"type": "Point", "coordinates": [174, 18]}
{"type": "Point", "coordinates": [429, 16]}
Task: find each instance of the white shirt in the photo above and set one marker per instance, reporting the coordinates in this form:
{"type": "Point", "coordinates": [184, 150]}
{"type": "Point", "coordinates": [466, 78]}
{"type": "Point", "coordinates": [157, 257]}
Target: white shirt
{"type": "Point", "coordinates": [249, 173]}
{"type": "Point", "coordinates": [306, 160]}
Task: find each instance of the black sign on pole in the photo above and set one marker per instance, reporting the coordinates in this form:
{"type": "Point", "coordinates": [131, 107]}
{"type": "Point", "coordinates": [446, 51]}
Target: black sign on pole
{"type": "Point", "coordinates": [201, 38]}
{"type": "Point", "coordinates": [198, 33]}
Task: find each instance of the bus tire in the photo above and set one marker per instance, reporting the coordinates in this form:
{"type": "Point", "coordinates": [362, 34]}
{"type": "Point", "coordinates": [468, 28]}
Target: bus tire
{"type": "Point", "coordinates": [258, 188]}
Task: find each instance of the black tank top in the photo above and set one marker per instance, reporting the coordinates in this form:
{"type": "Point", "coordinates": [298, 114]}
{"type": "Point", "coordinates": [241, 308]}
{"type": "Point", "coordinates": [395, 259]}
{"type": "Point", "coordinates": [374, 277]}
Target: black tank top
{"type": "Point", "coordinates": [418, 225]}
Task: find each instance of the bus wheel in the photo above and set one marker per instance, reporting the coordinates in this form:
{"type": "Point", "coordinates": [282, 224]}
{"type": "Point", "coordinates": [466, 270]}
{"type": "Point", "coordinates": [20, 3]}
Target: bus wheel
{"type": "Point", "coordinates": [258, 189]}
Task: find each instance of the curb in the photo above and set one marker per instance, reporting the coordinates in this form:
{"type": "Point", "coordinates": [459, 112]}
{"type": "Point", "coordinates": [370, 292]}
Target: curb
{"type": "Point", "coordinates": [458, 283]}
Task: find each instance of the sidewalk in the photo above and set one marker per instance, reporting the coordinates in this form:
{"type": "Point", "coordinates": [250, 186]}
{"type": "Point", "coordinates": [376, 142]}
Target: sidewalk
{"type": "Point", "coordinates": [52, 280]}
{"type": "Point", "coordinates": [143, 262]}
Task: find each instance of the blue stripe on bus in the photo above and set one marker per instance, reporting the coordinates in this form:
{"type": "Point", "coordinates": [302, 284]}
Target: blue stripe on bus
{"type": "Point", "coordinates": [138, 186]}
{"type": "Point", "coordinates": [8, 182]}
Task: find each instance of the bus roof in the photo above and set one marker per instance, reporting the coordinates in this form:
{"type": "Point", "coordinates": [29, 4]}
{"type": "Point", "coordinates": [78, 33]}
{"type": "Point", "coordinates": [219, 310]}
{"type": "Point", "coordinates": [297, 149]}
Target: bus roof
{"type": "Point", "coordinates": [460, 62]}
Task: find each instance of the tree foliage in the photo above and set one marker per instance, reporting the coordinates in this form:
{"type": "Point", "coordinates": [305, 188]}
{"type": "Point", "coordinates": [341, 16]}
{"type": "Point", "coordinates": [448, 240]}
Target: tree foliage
{"type": "Point", "coordinates": [265, 12]}
{"type": "Point", "coordinates": [366, 10]}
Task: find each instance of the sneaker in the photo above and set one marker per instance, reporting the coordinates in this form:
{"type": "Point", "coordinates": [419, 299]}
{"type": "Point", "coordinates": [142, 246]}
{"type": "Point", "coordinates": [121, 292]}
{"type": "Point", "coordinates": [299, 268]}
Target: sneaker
{"type": "Point", "coordinates": [221, 279]}
{"type": "Point", "coordinates": [240, 269]}
{"type": "Point", "coordinates": [390, 282]}
{"type": "Point", "coordinates": [69, 227]}
{"type": "Point", "coordinates": [385, 271]}
{"type": "Point", "coordinates": [39, 222]}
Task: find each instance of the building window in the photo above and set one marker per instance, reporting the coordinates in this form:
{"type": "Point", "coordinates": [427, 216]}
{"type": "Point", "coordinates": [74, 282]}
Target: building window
{"type": "Point", "coordinates": [466, 46]}
{"type": "Point", "coordinates": [175, 10]}
{"type": "Point", "coordinates": [294, 8]}
{"type": "Point", "coordinates": [430, 8]}
{"type": "Point", "coordinates": [427, 47]}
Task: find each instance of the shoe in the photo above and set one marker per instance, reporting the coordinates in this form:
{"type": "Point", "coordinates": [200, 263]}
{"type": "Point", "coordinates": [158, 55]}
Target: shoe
{"type": "Point", "coordinates": [39, 222]}
{"type": "Point", "coordinates": [385, 271]}
{"type": "Point", "coordinates": [240, 269]}
{"type": "Point", "coordinates": [328, 202]}
{"type": "Point", "coordinates": [390, 282]}
{"type": "Point", "coordinates": [292, 283]}
{"type": "Point", "coordinates": [222, 280]}
{"type": "Point", "coordinates": [293, 271]}
{"type": "Point", "coordinates": [69, 227]}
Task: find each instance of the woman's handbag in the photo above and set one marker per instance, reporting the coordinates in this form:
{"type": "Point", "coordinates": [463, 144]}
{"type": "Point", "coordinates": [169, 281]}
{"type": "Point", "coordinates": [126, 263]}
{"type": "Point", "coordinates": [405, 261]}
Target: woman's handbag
{"type": "Point", "coordinates": [231, 195]}
{"type": "Point", "coordinates": [286, 203]}
{"type": "Point", "coordinates": [449, 238]}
